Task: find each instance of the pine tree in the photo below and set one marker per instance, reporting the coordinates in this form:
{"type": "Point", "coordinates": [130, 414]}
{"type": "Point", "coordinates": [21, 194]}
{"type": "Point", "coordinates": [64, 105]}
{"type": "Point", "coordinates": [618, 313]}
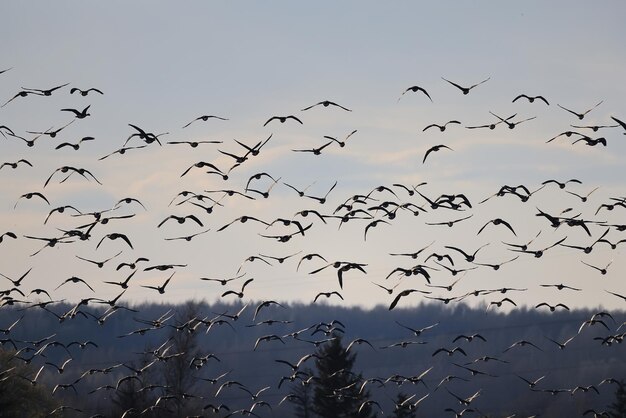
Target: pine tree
{"type": "Point", "coordinates": [183, 350]}
{"type": "Point", "coordinates": [336, 393]}
{"type": "Point", "coordinates": [15, 390]}
{"type": "Point", "coordinates": [303, 401]}
{"type": "Point", "coordinates": [618, 408]}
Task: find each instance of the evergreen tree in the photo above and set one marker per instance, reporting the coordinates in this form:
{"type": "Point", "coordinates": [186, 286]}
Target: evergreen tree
{"type": "Point", "coordinates": [336, 393]}
{"type": "Point", "coordinates": [303, 401]}
{"type": "Point", "coordinates": [129, 397]}
{"type": "Point", "coordinates": [15, 389]}
{"type": "Point", "coordinates": [182, 351]}
{"type": "Point", "coordinates": [618, 408]}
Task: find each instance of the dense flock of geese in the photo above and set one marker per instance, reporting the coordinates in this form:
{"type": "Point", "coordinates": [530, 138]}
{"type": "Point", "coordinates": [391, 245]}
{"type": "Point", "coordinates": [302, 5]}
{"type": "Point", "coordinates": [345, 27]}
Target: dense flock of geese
{"type": "Point", "coordinates": [373, 209]}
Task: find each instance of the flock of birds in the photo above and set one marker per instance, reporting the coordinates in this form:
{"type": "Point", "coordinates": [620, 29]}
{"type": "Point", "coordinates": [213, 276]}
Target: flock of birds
{"type": "Point", "coordinates": [373, 209]}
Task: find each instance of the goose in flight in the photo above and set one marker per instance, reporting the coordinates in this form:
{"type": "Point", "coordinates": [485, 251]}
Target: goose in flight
{"type": "Point", "coordinates": [325, 103]}
{"type": "Point", "coordinates": [283, 119]}
{"type": "Point", "coordinates": [531, 99]}
{"type": "Point", "coordinates": [204, 118]}
{"type": "Point", "coordinates": [85, 92]}
{"type": "Point", "coordinates": [582, 115]}
{"type": "Point", "coordinates": [466, 90]}
{"type": "Point", "coordinates": [442, 128]}
{"type": "Point", "coordinates": [435, 148]}
{"type": "Point", "coordinates": [415, 89]}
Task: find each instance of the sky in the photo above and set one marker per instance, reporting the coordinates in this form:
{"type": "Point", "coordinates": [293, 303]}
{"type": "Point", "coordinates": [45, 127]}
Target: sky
{"type": "Point", "coordinates": [160, 65]}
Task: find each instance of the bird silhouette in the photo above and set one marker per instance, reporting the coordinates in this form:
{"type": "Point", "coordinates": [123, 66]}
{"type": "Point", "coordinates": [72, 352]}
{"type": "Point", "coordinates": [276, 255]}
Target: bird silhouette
{"type": "Point", "coordinates": [435, 148]}
{"type": "Point", "coordinates": [160, 289]}
{"type": "Point", "coordinates": [582, 115]}
{"type": "Point", "coordinates": [204, 118]}
{"type": "Point", "coordinates": [415, 89]}
{"type": "Point", "coordinates": [85, 92]}
{"type": "Point", "coordinates": [531, 99]}
{"type": "Point", "coordinates": [324, 103]}
{"type": "Point", "coordinates": [283, 119]}
{"type": "Point", "coordinates": [466, 90]}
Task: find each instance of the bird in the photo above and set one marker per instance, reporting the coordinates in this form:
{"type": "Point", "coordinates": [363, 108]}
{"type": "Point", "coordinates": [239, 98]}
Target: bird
{"type": "Point", "coordinates": [7, 331]}
{"type": "Point", "coordinates": [79, 114]}
{"type": "Point", "coordinates": [498, 303]}
{"type": "Point", "coordinates": [114, 236]}
{"type": "Point", "coordinates": [466, 90]}
{"type": "Point", "coordinates": [314, 151]}
{"type": "Point", "coordinates": [493, 125]}
{"type": "Point", "coordinates": [132, 265]}
{"type": "Point", "coordinates": [59, 369]}
{"type": "Point", "coordinates": [341, 143]}
{"type": "Point", "coordinates": [552, 307]}
{"type": "Point", "coordinates": [181, 220]}
{"type": "Point", "coordinates": [469, 257]}
{"type": "Point", "coordinates": [563, 344]}
{"type": "Point", "coordinates": [602, 270]}
{"type": "Point", "coordinates": [124, 284]}
{"type": "Point", "coordinates": [283, 119]}
{"type": "Point", "coordinates": [402, 294]}
{"type": "Point", "coordinates": [414, 254]}
{"type": "Point", "coordinates": [75, 146]}
{"type": "Point", "coordinates": [591, 141]}
{"type": "Point", "coordinates": [450, 352]}
{"type": "Point", "coordinates": [99, 264]}
{"type": "Point", "coordinates": [265, 338]}
{"type": "Point", "coordinates": [321, 200]}
{"type": "Point", "coordinates": [531, 99]}
{"type": "Point", "coordinates": [442, 128]}
{"type": "Point", "coordinates": [32, 381]}
{"type": "Point", "coordinates": [14, 165]}
{"type": "Point", "coordinates": [327, 295]}
{"type": "Point", "coordinates": [121, 151]}
{"type": "Point", "coordinates": [468, 400]}
{"type": "Point", "coordinates": [239, 294]}
{"type": "Point", "coordinates": [621, 123]}
{"type": "Point", "coordinates": [594, 128]}
{"type": "Point", "coordinates": [359, 341]}
{"type": "Point", "coordinates": [560, 286]}
{"type": "Point", "coordinates": [163, 267]}
{"type": "Point", "coordinates": [160, 289]}
{"type": "Point", "coordinates": [30, 195]}
{"type": "Point", "coordinates": [71, 170]}
{"type": "Point", "coordinates": [47, 92]}
{"type": "Point", "coordinates": [496, 266]}
{"type": "Point", "coordinates": [262, 305]}
{"type": "Point", "coordinates": [372, 225]}
{"type": "Point", "coordinates": [469, 338]}
{"type": "Point", "coordinates": [75, 279]}
{"type": "Point", "coordinates": [531, 383]}
{"type": "Point", "coordinates": [617, 294]}
{"type": "Point", "coordinates": [435, 148]}
{"type": "Point", "coordinates": [541, 252]}
{"type": "Point", "coordinates": [582, 115]}
{"type": "Point", "coordinates": [512, 125]}
{"type": "Point", "coordinates": [85, 92]}
{"type": "Point", "coordinates": [205, 118]}
{"type": "Point", "coordinates": [324, 103]}
{"type": "Point", "coordinates": [7, 234]}
{"type": "Point", "coordinates": [585, 197]}
{"type": "Point", "coordinates": [521, 343]}
{"type": "Point", "coordinates": [415, 89]}
{"type": "Point", "coordinates": [309, 257]}
{"type": "Point", "coordinates": [21, 93]}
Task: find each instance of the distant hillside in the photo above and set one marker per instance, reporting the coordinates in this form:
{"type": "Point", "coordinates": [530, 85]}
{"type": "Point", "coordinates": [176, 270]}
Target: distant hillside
{"type": "Point", "coordinates": [586, 360]}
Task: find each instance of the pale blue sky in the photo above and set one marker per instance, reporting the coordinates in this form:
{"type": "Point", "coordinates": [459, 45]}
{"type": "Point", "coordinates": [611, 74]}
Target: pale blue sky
{"type": "Point", "coordinates": [161, 64]}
